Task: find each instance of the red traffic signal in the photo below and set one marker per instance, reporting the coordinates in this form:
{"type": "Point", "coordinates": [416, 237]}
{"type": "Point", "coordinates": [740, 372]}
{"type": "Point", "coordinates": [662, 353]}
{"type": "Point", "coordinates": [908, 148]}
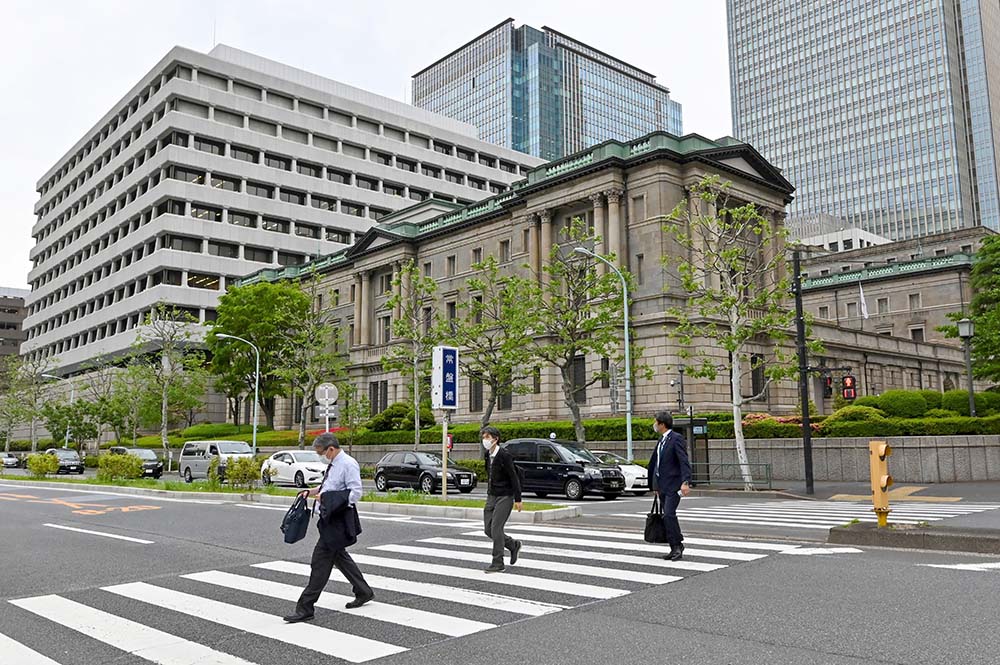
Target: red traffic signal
{"type": "Point", "coordinates": [849, 387]}
{"type": "Point", "coordinates": [828, 386]}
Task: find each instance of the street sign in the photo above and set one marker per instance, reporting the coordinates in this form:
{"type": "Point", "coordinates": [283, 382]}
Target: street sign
{"type": "Point", "coordinates": [444, 378]}
{"type": "Point", "coordinates": [326, 411]}
{"type": "Point", "coordinates": [326, 393]}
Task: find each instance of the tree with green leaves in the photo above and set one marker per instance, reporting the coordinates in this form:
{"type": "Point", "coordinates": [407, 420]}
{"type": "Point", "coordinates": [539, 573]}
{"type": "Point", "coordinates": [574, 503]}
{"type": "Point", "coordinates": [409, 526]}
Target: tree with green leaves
{"type": "Point", "coordinates": [134, 398]}
{"type": "Point", "coordinates": [263, 314]}
{"type": "Point", "coordinates": [311, 358]}
{"type": "Point", "coordinates": [32, 391]}
{"type": "Point", "coordinates": [415, 332]}
{"type": "Point", "coordinates": [495, 332]}
{"type": "Point", "coordinates": [13, 411]}
{"type": "Point", "coordinates": [733, 272]}
{"type": "Point", "coordinates": [78, 419]}
{"type": "Point", "coordinates": [984, 311]}
{"type": "Point", "coordinates": [354, 412]}
{"type": "Point", "coordinates": [579, 314]}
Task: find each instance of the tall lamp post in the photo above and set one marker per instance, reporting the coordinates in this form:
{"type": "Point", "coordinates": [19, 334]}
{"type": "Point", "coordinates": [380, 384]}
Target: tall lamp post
{"type": "Point", "coordinates": [72, 399]}
{"type": "Point", "coordinates": [803, 355]}
{"type": "Point", "coordinates": [966, 330]}
{"type": "Point", "coordinates": [628, 358]}
{"type": "Point", "coordinates": [256, 382]}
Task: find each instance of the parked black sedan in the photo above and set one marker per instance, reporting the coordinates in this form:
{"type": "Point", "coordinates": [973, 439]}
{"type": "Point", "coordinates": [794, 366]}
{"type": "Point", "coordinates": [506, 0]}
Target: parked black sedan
{"type": "Point", "coordinates": [421, 471]}
{"type": "Point", "coordinates": [69, 460]}
{"type": "Point", "coordinates": [151, 464]}
{"type": "Point", "coordinates": [562, 467]}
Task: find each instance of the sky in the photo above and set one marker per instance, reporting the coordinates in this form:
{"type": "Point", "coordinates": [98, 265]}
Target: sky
{"type": "Point", "coordinates": [67, 62]}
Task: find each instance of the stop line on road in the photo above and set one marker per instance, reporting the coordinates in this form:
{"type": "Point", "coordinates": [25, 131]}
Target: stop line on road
{"type": "Point", "coordinates": [427, 590]}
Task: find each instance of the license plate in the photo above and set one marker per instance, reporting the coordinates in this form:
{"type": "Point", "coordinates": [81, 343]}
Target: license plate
{"type": "Point", "coordinates": [617, 484]}
{"type": "Point", "coordinates": [464, 481]}
{"type": "Point", "coordinates": [73, 468]}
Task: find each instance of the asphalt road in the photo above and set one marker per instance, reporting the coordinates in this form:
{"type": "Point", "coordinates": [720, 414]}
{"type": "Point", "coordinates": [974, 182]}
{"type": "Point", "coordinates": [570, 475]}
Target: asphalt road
{"type": "Point", "coordinates": [189, 582]}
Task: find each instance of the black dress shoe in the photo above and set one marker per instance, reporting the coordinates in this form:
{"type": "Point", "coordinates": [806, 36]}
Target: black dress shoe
{"type": "Point", "coordinates": [676, 553]}
{"type": "Point", "coordinates": [359, 601]}
{"type": "Point", "coordinates": [297, 618]}
{"type": "Point", "coordinates": [515, 551]}
{"type": "Point", "coordinates": [495, 568]}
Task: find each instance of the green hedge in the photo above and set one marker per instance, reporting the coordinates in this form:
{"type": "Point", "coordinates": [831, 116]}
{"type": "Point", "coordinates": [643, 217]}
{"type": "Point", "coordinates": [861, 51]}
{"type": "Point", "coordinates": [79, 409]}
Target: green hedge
{"type": "Point", "coordinates": [902, 403]}
{"type": "Point", "coordinates": [610, 429]}
{"type": "Point", "coordinates": [932, 397]}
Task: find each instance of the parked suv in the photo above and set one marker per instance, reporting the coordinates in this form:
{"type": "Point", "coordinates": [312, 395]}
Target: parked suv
{"type": "Point", "coordinates": [151, 465]}
{"type": "Point", "coordinates": [420, 471]}
{"type": "Point", "coordinates": [562, 467]}
{"type": "Point", "coordinates": [69, 460]}
{"type": "Point", "coordinates": [196, 456]}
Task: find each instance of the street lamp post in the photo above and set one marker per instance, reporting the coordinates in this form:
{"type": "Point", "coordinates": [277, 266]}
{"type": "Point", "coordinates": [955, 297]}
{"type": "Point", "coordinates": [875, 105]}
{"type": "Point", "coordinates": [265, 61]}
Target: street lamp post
{"type": "Point", "coordinates": [803, 354]}
{"type": "Point", "coordinates": [72, 399]}
{"type": "Point", "coordinates": [966, 330]}
{"type": "Point", "coordinates": [628, 358]}
{"type": "Point", "coordinates": [256, 383]}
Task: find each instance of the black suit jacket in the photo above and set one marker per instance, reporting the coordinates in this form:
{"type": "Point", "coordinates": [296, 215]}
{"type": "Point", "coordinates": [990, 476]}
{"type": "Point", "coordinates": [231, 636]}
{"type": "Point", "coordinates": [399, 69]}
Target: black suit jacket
{"type": "Point", "coordinates": [673, 463]}
{"type": "Point", "coordinates": [339, 525]}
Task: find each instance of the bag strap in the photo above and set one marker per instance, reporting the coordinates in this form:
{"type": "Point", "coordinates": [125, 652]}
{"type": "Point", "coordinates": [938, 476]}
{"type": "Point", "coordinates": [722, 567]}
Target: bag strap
{"type": "Point", "coordinates": [656, 502]}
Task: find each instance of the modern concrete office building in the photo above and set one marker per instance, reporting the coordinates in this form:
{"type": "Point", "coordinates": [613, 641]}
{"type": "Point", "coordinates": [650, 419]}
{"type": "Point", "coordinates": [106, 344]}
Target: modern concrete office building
{"type": "Point", "coordinates": [544, 93]}
{"type": "Point", "coordinates": [885, 114]}
{"type": "Point", "coordinates": [12, 312]}
{"type": "Point", "coordinates": [215, 165]}
{"type": "Point", "coordinates": [831, 233]}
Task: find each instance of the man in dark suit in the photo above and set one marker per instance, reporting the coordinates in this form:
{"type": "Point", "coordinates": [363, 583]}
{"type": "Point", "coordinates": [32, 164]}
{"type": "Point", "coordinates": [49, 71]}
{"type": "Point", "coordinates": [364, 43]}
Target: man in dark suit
{"type": "Point", "coordinates": [670, 475]}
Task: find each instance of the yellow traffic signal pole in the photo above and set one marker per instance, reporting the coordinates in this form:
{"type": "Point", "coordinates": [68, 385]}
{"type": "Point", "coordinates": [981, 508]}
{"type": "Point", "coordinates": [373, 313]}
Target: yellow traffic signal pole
{"type": "Point", "coordinates": [878, 454]}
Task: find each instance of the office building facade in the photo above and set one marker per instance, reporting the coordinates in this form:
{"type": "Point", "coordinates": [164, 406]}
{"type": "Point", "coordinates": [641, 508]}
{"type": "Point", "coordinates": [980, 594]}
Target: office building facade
{"type": "Point", "coordinates": [884, 113]}
{"type": "Point", "coordinates": [213, 166]}
{"type": "Point", "coordinates": [12, 312]}
{"type": "Point", "coordinates": [544, 93]}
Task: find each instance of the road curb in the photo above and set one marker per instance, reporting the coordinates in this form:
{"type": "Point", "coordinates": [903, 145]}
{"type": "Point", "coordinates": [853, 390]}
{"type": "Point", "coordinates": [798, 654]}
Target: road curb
{"type": "Point", "coordinates": [977, 541]}
{"type": "Point", "coordinates": [371, 507]}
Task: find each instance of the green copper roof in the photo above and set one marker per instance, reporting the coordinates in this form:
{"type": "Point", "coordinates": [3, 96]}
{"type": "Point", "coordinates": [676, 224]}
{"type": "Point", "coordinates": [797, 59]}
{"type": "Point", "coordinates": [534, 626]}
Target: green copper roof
{"type": "Point", "coordinates": [887, 271]}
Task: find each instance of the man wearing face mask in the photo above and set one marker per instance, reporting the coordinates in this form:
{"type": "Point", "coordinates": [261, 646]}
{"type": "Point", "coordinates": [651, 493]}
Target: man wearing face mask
{"type": "Point", "coordinates": [503, 494]}
{"type": "Point", "coordinates": [670, 475]}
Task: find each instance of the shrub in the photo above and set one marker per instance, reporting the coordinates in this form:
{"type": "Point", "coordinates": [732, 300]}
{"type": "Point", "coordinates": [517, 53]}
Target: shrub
{"type": "Point", "coordinates": [41, 465]}
{"type": "Point", "coordinates": [867, 400]}
{"type": "Point", "coordinates": [932, 397]}
{"type": "Point", "coordinates": [214, 478]}
{"type": "Point", "coordinates": [218, 430]}
{"type": "Point", "coordinates": [902, 403]}
{"type": "Point", "coordinates": [477, 465]}
{"type": "Point", "coordinates": [118, 467]}
{"type": "Point", "coordinates": [772, 429]}
{"type": "Point", "coordinates": [243, 472]}
{"type": "Point", "coordinates": [958, 400]}
{"type": "Point", "coordinates": [855, 414]}
{"type": "Point", "coordinates": [990, 403]}
{"type": "Point", "coordinates": [861, 428]}
{"type": "Point", "coordinates": [399, 417]}
{"type": "Point", "coordinates": [941, 413]}
{"type": "Point", "coordinates": [92, 461]}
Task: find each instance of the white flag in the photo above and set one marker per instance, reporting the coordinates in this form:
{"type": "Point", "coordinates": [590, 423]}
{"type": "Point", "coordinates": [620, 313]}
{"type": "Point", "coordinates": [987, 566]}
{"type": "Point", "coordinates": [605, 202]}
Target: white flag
{"type": "Point", "coordinates": [864, 305]}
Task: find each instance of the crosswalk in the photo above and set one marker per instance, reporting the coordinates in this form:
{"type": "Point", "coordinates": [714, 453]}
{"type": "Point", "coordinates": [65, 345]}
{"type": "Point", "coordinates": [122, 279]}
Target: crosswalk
{"type": "Point", "coordinates": [427, 590]}
{"type": "Point", "coordinates": [796, 514]}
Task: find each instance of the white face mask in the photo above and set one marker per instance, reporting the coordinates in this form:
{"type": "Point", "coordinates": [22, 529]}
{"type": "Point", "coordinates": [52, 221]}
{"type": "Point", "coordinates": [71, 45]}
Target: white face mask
{"type": "Point", "coordinates": [655, 428]}
{"type": "Point", "coordinates": [487, 444]}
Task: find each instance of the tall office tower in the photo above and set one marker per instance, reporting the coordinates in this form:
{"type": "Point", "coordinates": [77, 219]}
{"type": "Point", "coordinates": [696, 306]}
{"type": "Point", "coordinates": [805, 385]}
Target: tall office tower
{"type": "Point", "coordinates": [11, 320]}
{"type": "Point", "coordinates": [214, 166]}
{"type": "Point", "coordinates": [885, 113]}
{"type": "Point", "coordinates": [543, 93]}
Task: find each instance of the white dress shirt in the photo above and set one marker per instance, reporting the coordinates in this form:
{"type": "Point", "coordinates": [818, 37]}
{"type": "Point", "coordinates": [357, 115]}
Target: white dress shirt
{"type": "Point", "coordinates": [343, 474]}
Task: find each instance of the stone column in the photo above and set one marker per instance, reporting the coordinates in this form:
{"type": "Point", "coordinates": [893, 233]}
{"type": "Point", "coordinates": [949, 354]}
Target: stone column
{"type": "Point", "coordinates": [397, 311]}
{"type": "Point", "coordinates": [406, 287]}
{"type": "Point", "coordinates": [545, 217]}
{"type": "Point", "coordinates": [599, 231]}
{"type": "Point", "coordinates": [536, 253]}
{"type": "Point", "coordinates": [615, 230]}
{"type": "Point", "coordinates": [365, 296]}
{"type": "Point", "coordinates": [357, 310]}
{"type": "Point", "coordinates": [777, 223]}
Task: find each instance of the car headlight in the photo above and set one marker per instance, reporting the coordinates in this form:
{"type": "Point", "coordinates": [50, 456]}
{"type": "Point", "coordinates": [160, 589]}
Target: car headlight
{"type": "Point", "coordinates": [594, 472]}
{"type": "Point", "coordinates": [440, 474]}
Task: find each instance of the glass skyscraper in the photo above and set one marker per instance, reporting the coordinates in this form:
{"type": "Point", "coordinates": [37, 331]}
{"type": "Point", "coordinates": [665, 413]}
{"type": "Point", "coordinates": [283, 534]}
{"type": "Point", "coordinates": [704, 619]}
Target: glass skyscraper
{"type": "Point", "coordinates": [885, 113]}
{"type": "Point", "coordinates": [543, 93]}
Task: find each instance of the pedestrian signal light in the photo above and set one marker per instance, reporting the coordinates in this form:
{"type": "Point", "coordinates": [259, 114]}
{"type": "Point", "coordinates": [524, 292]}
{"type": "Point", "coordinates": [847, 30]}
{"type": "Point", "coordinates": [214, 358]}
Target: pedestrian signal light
{"type": "Point", "coordinates": [849, 387]}
{"type": "Point", "coordinates": [878, 456]}
{"type": "Point", "coordinates": [828, 387]}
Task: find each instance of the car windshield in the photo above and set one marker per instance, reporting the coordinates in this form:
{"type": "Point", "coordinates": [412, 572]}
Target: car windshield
{"type": "Point", "coordinates": [143, 453]}
{"type": "Point", "coordinates": [580, 454]}
{"type": "Point", "coordinates": [307, 458]}
{"type": "Point", "coordinates": [234, 448]}
{"type": "Point", "coordinates": [67, 455]}
{"type": "Point", "coordinates": [433, 460]}
{"type": "Point", "coordinates": [611, 458]}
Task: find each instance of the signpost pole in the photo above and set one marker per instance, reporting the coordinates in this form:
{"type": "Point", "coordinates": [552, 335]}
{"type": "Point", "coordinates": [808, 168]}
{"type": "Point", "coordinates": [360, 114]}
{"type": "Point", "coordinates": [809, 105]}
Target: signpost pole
{"type": "Point", "coordinates": [444, 456]}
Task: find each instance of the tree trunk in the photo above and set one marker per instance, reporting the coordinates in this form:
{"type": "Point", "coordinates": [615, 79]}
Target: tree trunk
{"type": "Point", "coordinates": [569, 395]}
{"type": "Point", "coordinates": [34, 435]}
{"type": "Point", "coordinates": [488, 411]}
{"type": "Point", "coordinates": [267, 406]}
{"type": "Point", "coordinates": [741, 448]}
{"type": "Point", "coordinates": [416, 399]}
{"type": "Point", "coordinates": [302, 422]}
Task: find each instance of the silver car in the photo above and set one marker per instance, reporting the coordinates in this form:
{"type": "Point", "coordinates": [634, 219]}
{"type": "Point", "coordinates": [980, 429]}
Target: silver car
{"type": "Point", "coordinates": [9, 461]}
{"type": "Point", "coordinates": [196, 456]}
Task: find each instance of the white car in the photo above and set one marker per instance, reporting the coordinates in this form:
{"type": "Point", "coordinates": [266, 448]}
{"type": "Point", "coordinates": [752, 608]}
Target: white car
{"type": "Point", "coordinates": [636, 480]}
{"type": "Point", "coordinates": [298, 467]}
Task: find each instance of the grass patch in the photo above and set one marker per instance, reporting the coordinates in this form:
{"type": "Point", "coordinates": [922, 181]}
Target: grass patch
{"type": "Point", "coordinates": [409, 496]}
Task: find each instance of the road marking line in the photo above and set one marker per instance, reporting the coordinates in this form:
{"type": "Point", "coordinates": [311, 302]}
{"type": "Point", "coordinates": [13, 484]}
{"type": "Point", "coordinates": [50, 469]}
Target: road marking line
{"type": "Point", "coordinates": [632, 547]}
{"type": "Point", "coordinates": [806, 513]}
{"type": "Point", "coordinates": [100, 533]}
{"type": "Point", "coordinates": [589, 555]}
{"type": "Point", "coordinates": [429, 590]}
{"type": "Point", "coordinates": [134, 638]}
{"type": "Point", "coordinates": [978, 567]}
{"type": "Point", "coordinates": [20, 654]}
{"type": "Point", "coordinates": [810, 551]}
{"type": "Point", "coordinates": [213, 502]}
{"type": "Point", "coordinates": [707, 542]}
{"type": "Point", "coordinates": [404, 616]}
{"type": "Point", "coordinates": [792, 525]}
{"type": "Point", "coordinates": [323, 640]}
{"type": "Point", "coordinates": [551, 566]}
{"type": "Point", "coordinates": [507, 579]}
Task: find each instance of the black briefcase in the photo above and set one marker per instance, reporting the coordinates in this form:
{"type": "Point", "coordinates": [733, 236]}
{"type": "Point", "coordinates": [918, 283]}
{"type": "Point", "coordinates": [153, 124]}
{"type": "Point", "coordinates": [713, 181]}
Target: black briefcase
{"type": "Point", "coordinates": [656, 531]}
{"type": "Point", "coordinates": [295, 524]}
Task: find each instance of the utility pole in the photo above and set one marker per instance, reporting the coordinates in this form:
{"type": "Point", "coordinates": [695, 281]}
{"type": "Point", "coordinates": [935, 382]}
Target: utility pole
{"type": "Point", "coordinates": [800, 344]}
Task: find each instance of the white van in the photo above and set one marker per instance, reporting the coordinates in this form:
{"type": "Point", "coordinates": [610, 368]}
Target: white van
{"type": "Point", "coordinates": [197, 455]}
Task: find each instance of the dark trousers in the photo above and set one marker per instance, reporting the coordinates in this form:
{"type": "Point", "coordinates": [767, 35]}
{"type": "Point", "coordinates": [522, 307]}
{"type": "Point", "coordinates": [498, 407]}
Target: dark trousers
{"type": "Point", "coordinates": [323, 561]}
{"type": "Point", "coordinates": [495, 516]}
{"type": "Point", "coordinates": [669, 502]}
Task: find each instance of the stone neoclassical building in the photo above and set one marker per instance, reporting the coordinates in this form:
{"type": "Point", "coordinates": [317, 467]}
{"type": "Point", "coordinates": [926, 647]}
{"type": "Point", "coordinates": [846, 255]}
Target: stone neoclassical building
{"type": "Point", "coordinates": [624, 190]}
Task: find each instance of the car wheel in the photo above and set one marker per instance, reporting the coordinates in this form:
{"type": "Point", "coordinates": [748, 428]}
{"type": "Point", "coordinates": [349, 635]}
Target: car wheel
{"type": "Point", "coordinates": [80, 472]}
{"type": "Point", "coordinates": [574, 490]}
{"type": "Point", "coordinates": [427, 485]}
{"type": "Point", "coordinates": [541, 495]}
{"type": "Point", "coordinates": [300, 480]}
{"type": "Point", "coordinates": [465, 490]}
{"type": "Point", "coordinates": [610, 496]}
{"type": "Point", "coordinates": [381, 484]}
{"type": "Point", "coordinates": [188, 478]}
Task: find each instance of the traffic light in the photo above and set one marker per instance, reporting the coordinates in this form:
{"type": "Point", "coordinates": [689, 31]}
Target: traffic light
{"type": "Point", "coordinates": [878, 454]}
{"type": "Point", "coordinates": [828, 386]}
{"type": "Point", "coordinates": [849, 387]}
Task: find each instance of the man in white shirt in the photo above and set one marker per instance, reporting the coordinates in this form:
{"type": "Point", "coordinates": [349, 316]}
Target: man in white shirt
{"type": "Point", "coordinates": [342, 485]}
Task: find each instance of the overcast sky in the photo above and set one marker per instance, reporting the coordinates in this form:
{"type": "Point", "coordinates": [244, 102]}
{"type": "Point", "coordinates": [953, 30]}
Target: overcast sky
{"type": "Point", "coordinates": [66, 62]}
